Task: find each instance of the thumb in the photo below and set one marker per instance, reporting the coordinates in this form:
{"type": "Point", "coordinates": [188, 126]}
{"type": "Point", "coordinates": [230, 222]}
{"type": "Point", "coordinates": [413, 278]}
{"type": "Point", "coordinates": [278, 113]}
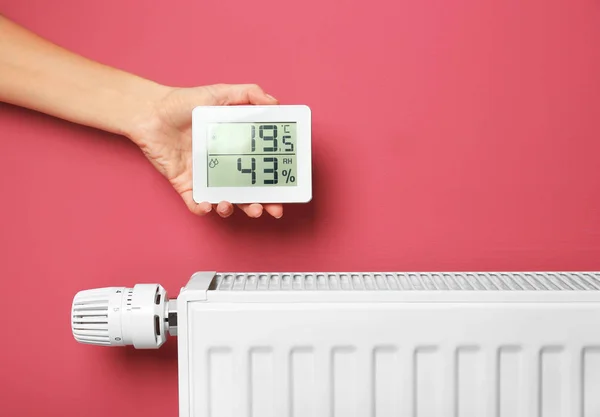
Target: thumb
{"type": "Point", "coordinates": [243, 94]}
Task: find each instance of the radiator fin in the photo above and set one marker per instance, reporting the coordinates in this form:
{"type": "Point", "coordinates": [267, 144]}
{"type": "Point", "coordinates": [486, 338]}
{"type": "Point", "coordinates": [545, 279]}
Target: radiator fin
{"type": "Point", "coordinates": [346, 382]}
{"type": "Point", "coordinates": [509, 391]}
{"type": "Point", "coordinates": [302, 382]}
{"type": "Point", "coordinates": [221, 377]}
{"type": "Point", "coordinates": [387, 281]}
{"type": "Point", "coordinates": [552, 367]}
{"type": "Point", "coordinates": [470, 381]}
{"type": "Point", "coordinates": [591, 381]}
{"type": "Point", "coordinates": [262, 386]}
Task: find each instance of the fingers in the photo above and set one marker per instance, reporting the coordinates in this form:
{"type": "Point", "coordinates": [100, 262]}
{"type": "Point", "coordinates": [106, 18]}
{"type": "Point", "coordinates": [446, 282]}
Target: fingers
{"type": "Point", "coordinates": [200, 209]}
{"type": "Point", "coordinates": [225, 209]}
{"type": "Point", "coordinates": [244, 94]}
{"type": "Point", "coordinates": [275, 210]}
{"type": "Point", "coordinates": [252, 210]}
{"type": "Point", "coordinates": [256, 210]}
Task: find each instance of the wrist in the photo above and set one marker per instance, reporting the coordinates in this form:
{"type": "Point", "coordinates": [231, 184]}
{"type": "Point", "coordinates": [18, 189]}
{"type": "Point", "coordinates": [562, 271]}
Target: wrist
{"type": "Point", "coordinates": [138, 108]}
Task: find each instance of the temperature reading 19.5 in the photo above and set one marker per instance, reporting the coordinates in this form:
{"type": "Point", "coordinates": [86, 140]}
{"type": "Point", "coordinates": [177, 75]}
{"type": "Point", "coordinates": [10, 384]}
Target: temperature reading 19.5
{"type": "Point", "coordinates": [272, 138]}
{"type": "Point", "coordinates": [251, 154]}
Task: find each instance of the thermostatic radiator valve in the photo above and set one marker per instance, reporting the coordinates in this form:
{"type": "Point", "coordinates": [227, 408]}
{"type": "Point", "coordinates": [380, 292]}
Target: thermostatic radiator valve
{"type": "Point", "coordinates": [141, 316]}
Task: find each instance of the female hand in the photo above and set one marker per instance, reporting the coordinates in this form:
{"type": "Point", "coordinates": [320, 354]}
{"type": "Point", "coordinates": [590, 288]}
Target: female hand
{"type": "Point", "coordinates": [164, 136]}
{"type": "Point", "coordinates": [39, 75]}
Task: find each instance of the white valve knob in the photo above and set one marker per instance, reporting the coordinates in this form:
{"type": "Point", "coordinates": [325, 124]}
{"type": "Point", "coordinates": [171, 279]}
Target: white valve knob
{"type": "Point", "coordinates": [119, 316]}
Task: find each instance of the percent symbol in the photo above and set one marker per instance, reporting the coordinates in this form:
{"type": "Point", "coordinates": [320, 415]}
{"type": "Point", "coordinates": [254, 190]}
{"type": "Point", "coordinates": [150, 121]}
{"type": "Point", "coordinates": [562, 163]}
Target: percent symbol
{"type": "Point", "coordinates": [288, 176]}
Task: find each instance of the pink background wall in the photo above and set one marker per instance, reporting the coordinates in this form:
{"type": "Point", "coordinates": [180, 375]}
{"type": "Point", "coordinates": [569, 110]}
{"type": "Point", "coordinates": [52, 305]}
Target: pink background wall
{"type": "Point", "coordinates": [457, 135]}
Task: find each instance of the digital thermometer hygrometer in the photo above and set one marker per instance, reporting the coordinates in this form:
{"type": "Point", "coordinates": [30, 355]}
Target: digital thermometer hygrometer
{"type": "Point", "coordinates": [252, 154]}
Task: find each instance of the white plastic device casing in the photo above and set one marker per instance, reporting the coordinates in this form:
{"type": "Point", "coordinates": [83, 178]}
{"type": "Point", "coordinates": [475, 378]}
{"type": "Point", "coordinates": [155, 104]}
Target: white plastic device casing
{"type": "Point", "coordinates": [300, 114]}
{"type": "Point", "coordinates": [387, 344]}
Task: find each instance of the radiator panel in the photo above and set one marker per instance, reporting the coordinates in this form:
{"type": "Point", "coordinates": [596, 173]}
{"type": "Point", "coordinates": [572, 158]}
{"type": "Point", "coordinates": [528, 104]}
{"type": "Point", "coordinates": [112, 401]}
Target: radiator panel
{"type": "Point", "coordinates": [396, 359]}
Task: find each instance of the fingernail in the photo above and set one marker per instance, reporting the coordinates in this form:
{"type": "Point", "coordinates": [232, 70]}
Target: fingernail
{"type": "Point", "coordinates": [271, 97]}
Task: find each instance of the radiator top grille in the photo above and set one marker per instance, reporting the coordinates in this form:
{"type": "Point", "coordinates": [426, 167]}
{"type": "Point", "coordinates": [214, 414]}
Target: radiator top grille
{"type": "Point", "coordinates": [418, 281]}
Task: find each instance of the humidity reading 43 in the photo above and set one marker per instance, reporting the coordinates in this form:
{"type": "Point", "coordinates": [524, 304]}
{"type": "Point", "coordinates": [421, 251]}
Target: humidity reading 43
{"type": "Point", "coordinates": [251, 154]}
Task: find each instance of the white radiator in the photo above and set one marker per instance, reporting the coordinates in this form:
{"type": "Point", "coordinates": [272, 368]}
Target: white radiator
{"type": "Point", "coordinates": [369, 344]}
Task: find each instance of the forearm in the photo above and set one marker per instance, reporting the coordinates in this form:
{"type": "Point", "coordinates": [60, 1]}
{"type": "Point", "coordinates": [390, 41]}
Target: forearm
{"type": "Point", "coordinates": [42, 76]}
